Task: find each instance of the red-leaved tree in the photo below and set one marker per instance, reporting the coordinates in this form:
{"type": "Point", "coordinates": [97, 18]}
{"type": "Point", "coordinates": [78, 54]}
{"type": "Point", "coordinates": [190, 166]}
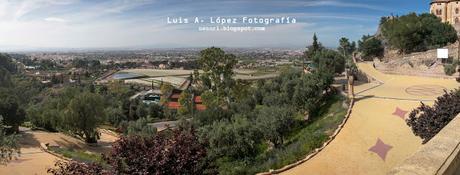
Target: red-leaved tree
{"type": "Point", "coordinates": [178, 152]}
{"type": "Point", "coordinates": [427, 121]}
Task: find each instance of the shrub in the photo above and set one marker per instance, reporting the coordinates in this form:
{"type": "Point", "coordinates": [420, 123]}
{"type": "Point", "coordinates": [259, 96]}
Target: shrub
{"type": "Point", "coordinates": [427, 121]}
{"type": "Point", "coordinates": [178, 152]}
{"type": "Point", "coordinates": [449, 69]}
{"type": "Point", "coordinates": [370, 47]}
{"type": "Point", "coordinates": [412, 32]}
{"type": "Point", "coordinates": [76, 168]}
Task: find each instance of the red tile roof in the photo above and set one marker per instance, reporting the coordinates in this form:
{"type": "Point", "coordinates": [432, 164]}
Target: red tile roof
{"type": "Point", "coordinates": [198, 99]}
{"type": "Point", "coordinates": [175, 96]}
{"type": "Point", "coordinates": [173, 105]}
{"type": "Point", "coordinates": [200, 107]}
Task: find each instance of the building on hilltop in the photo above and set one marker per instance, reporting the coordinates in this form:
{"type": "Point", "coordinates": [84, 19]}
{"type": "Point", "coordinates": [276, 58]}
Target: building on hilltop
{"type": "Point", "coordinates": [447, 10]}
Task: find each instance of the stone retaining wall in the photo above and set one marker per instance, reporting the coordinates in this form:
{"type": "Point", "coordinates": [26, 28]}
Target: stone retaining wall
{"type": "Point", "coordinates": [440, 156]}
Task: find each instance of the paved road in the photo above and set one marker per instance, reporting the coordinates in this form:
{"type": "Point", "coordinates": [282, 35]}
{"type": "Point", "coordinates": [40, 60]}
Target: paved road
{"type": "Point", "coordinates": [376, 137]}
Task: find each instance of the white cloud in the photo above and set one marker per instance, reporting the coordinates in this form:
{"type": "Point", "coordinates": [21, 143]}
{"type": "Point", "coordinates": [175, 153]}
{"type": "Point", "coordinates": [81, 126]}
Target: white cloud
{"type": "Point", "coordinates": [58, 23]}
{"type": "Point", "coordinates": [55, 19]}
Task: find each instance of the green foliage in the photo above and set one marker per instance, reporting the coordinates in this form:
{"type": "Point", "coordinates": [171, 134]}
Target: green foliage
{"type": "Point", "coordinates": [115, 115]}
{"type": "Point", "coordinates": [78, 155]}
{"type": "Point", "coordinates": [13, 114]}
{"type": "Point", "coordinates": [329, 60]}
{"type": "Point", "coordinates": [185, 101]}
{"type": "Point", "coordinates": [412, 32]}
{"type": "Point", "coordinates": [370, 47]}
{"type": "Point", "coordinates": [301, 141]}
{"type": "Point", "coordinates": [5, 78]}
{"type": "Point", "coordinates": [84, 114]}
{"type": "Point", "coordinates": [275, 123]}
{"type": "Point", "coordinates": [6, 63]}
{"type": "Point", "coordinates": [263, 120]}
{"type": "Point", "coordinates": [49, 112]}
{"type": "Point", "coordinates": [236, 138]}
{"type": "Point", "coordinates": [316, 46]}
{"type": "Point", "coordinates": [139, 127]}
{"type": "Point", "coordinates": [346, 48]}
{"type": "Point", "coordinates": [71, 110]}
{"type": "Point", "coordinates": [217, 73]}
{"type": "Point", "coordinates": [9, 147]}
{"type": "Point", "coordinates": [156, 111]}
{"type": "Point", "coordinates": [210, 115]}
{"type": "Point", "coordinates": [450, 69]}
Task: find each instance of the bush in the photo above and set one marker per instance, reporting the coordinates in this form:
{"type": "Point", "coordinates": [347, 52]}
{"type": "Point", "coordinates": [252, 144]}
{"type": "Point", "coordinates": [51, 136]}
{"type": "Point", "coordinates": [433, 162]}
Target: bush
{"type": "Point", "coordinates": [370, 47]}
{"type": "Point", "coordinates": [427, 121]}
{"type": "Point", "coordinates": [76, 168]}
{"type": "Point", "coordinates": [178, 152]}
{"type": "Point", "coordinates": [330, 60]}
{"type": "Point", "coordinates": [412, 32]}
{"type": "Point", "coordinates": [140, 127]}
{"type": "Point", "coordinates": [449, 69]}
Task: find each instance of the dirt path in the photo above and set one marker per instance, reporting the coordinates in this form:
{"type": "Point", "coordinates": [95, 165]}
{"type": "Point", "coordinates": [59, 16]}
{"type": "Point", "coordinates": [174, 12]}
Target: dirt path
{"type": "Point", "coordinates": [376, 137]}
{"type": "Point", "coordinates": [35, 161]}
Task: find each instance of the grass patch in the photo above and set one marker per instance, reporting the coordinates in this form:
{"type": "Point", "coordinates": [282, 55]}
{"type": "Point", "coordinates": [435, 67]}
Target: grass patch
{"type": "Point", "coordinates": [78, 155]}
{"type": "Point", "coordinates": [299, 143]}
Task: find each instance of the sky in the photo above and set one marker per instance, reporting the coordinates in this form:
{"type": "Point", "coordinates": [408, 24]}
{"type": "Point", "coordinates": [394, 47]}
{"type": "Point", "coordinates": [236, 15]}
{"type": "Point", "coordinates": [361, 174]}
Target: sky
{"type": "Point", "coordinates": [131, 24]}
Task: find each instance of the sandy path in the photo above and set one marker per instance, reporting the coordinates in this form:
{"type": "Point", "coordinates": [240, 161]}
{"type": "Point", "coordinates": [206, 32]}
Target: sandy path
{"type": "Point", "coordinates": [35, 161]}
{"type": "Point", "coordinates": [372, 119]}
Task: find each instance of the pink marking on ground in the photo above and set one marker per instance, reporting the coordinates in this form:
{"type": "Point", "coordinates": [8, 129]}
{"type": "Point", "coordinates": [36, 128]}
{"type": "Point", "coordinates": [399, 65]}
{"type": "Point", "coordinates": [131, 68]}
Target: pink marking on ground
{"type": "Point", "coordinates": [380, 149]}
{"type": "Point", "coordinates": [400, 113]}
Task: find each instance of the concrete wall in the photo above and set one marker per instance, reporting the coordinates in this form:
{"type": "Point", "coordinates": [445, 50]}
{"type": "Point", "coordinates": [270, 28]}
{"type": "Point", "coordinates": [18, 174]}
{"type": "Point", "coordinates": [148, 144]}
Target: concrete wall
{"type": "Point", "coordinates": [440, 156]}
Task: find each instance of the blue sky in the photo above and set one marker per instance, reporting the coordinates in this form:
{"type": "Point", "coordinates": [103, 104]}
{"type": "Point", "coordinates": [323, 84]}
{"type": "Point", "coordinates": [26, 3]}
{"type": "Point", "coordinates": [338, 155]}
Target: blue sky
{"type": "Point", "coordinates": [28, 24]}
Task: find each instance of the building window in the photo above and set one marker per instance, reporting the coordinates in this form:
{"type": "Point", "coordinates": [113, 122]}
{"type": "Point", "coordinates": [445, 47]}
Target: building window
{"type": "Point", "coordinates": [456, 10]}
{"type": "Point", "coordinates": [456, 20]}
{"type": "Point", "coordinates": [438, 12]}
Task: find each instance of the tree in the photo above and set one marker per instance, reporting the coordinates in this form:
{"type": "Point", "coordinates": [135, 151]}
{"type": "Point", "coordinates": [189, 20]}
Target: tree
{"type": "Point", "coordinates": [412, 32]}
{"type": "Point", "coordinates": [9, 146]}
{"type": "Point", "coordinates": [315, 47]}
{"type": "Point", "coordinates": [275, 123]}
{"type": "Point", "coordinates": [140, 127]}
{"type": "Point", "coordinates": [115, 115]}
{"type": "Point", "coordinates": [5, 78]}
{"type": "Point", "coordinates": [329, 60]}
{"type": "Point", "coordinates": [370, 47]}
{"type": "Point", "coordinates": [84, 113]}
{"type": "Point", "coordinates": [236, 138]}
{"type": "Point", "coordinates": [166, 90]}
{"type": "Point", "coordinates": [346, 48]}
{"type": "Point", "coordinates": [427, 121]}
{"type": "Point", "coordinates": [186, 103]}
{"type": "Point", "coordinates": [218, 67]}
{"type": "Point", "coordinates": [163, 154]}
{"type": "Point", "coordinates": [6, 62]}
{"type": "Point", "coordinates": [11, 111]}
{"type": "Point", "coordinates": [155, 111]}
{"type": "Point", "coordinates": [180, 153]}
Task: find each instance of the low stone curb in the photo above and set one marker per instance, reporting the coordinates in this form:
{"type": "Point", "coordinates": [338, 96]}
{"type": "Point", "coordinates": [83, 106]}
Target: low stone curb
{"type": "Point", "coordinates": [317, 150]}
{"type": "Point", "coordinates": [44, 148]}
